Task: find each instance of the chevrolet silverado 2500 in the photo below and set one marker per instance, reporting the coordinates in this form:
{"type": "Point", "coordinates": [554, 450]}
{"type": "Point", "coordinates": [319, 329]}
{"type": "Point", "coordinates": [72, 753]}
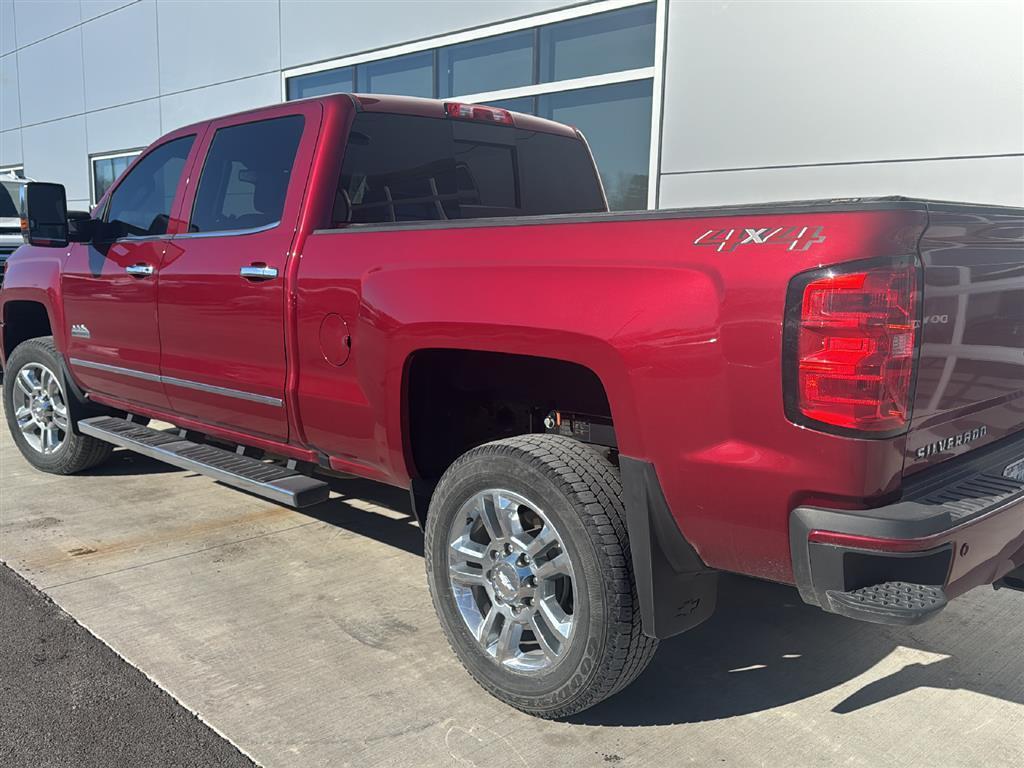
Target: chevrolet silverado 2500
{"type": "Point", "coordinates": [595, 413]}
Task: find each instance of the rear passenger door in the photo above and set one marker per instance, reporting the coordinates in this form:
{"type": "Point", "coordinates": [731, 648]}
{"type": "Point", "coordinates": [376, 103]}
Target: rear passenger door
{"type": "Point", "coordinates": [223, 287]}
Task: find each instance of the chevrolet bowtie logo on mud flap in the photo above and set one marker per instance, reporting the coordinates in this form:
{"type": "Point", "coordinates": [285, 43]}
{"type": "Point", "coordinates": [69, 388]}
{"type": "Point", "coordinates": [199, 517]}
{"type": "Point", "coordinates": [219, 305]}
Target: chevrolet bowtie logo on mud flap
{"type": "Point", "coordinates": [792, 238]}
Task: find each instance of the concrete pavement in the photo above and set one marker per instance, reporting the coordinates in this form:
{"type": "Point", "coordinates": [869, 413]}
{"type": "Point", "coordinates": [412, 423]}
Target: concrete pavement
{"type": "Point", "coordinates": [308, 639]}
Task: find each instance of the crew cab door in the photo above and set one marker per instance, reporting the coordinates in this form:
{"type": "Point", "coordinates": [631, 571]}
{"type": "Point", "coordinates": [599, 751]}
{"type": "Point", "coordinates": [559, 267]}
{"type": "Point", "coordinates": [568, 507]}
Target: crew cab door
{"type": "Point", "coordinates": [110, 285]}
{"type": "Point", "coordinates": [223, 289]}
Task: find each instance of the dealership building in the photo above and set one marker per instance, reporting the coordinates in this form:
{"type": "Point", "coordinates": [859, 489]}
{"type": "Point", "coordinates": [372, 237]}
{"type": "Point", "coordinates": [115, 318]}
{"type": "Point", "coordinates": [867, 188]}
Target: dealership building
{"type": "Point", "coordinates": [684, 102]}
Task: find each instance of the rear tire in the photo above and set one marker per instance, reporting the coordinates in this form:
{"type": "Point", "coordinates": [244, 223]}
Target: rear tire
{"type": "Point", "coordinates": [39, 406]}
{"type": "Point", "coordinates": [548, 489]}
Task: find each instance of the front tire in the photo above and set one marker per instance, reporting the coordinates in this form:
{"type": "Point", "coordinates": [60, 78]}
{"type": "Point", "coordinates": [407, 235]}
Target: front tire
{"type": "Point", "coordinates": [39, 409]}
{"type": "Point", "coordinates": [529, 569]}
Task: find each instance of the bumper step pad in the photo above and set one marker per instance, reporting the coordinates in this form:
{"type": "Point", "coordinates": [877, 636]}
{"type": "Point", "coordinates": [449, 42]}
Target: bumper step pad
{"type": "Point", "coordinates": [272, 481]}
{"type": "Point", "coordinates": [894, 602]}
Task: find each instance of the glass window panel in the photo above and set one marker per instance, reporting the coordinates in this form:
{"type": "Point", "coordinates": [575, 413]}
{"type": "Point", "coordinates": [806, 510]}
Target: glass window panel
{"type": "Point", "coordinates": [461, 170]}
{"type": "Point", "coordinates": [321, 83]}
{"type": "Point", "coordinates": [594, 45]}
{"type": "Point", "coordinates": [10, 199]}
{"type": "Point", "coordinates": [103, 177]}
{"type": "Point", "coordinates": [525, 104]}
{"type": "Point", "coordinates": [245, 176]}
{"type": "Point", "coordinates": [141, 204]}
{"type": "Point", "coordinates": [121, 164]}
{"type": "Point", "coordinates": [411, 75]}
{"type": "Point", "coordinates": [616, 120]}
{"type": "Point", "coordinates": [106, 171]}
{"type": "Point", "coordinates": [491, 64]}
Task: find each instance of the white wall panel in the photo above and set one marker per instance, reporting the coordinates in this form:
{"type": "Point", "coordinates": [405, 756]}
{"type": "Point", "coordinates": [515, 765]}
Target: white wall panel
{"type": "Point", "coordinates": [204, 42]}
{"type": "Point", "coordinates": [8, 40]}
{"type": "Point", "coordinates": [10, 112]}
{"type": "Point", "coordinates": [122, 128]}
{"type": "Point", "coordinates": [203, 103]}
{"type": "Point", "coordinates": [121, 56]}
{"type": "Point", "coordinates": [37, 19]}
{"type": "Point", "coordinates": [10, 147]}
{"type": "Point", "coordinates": [93, 8]}
{"type": "Point", "coordinates": [56, 151]}
{"type": "Point", "coordinates": [789, 83]}
{"type": "Point", "coordinates": [998, 180]}
{"type": "Point", "coordinates": [312, 30]}
{"type": "Point", "coordinates": [50, 73]}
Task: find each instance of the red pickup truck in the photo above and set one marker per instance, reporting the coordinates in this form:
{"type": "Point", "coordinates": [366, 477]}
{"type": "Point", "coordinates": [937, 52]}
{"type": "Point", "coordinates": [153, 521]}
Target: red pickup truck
{"type": "Point", "coordinates": [595, 413]}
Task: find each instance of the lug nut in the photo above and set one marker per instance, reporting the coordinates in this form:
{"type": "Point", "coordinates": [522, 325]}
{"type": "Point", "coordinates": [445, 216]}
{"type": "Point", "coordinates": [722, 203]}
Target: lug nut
{"type": "Point", "coordinates": [508, 549]}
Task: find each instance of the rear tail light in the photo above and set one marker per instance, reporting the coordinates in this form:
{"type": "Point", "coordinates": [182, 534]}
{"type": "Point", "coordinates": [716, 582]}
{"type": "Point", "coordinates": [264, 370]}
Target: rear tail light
{"type": "Point", "coordinates": [473, 112]}
{"type": "Point", "coordinates": [851, 344]}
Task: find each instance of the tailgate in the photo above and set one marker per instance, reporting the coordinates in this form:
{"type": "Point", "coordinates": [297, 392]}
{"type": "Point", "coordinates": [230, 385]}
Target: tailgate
{"type": "Point", "coordinates": [970, 382]}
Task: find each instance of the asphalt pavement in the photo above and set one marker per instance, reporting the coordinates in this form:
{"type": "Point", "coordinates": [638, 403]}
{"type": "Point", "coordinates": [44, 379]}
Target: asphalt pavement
{"type": "Point", "coordinates": [66, 699]}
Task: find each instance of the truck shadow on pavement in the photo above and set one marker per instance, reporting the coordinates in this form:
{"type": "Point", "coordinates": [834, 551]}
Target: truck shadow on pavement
{"type": "Point", "coordinates": [765, 648]}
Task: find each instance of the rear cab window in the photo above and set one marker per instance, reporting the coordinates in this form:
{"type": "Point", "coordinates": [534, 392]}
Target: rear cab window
{"type": "Point", "coordinates": [407, 168]}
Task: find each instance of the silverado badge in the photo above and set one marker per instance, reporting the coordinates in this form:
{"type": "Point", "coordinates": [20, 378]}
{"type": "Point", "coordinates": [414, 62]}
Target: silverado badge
{"type": "Point", "coordinates": [955, 441]}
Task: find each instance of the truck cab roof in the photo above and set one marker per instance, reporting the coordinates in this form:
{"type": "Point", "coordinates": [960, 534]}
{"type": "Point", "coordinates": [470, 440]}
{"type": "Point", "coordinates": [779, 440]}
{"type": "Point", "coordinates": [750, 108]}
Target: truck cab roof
{"type": "Point", "coordinates": [407, 105]}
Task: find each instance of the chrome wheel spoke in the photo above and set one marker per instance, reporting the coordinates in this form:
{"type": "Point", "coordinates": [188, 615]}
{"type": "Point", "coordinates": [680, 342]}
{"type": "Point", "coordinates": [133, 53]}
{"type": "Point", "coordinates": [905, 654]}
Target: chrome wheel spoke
{"type": "Point", "coordinates": [60, 416]}
{"type": "Point", "coordinates": [485, 632]}
{"type": "Point", "coordinates": [489, 516]}
{"type": "Point", "coordinates": [466, 576]}
{"type": "Point", "coordinates": [49, 384]}
{"type": "Point", "coordinates": [466, 550]}
{"type": "Point", "coordinates": [559, 565]}
{"type": "Point", "coordinates": [27, 382]}
{"type": "Point", "coordinates": [23, 415]}
{"type": "Point", "coordinates": [554, 617]}
{"type": "Point", "coordinates": [543, 640]}
{"type": "Point", "coordinates": [544, 539]}
{"type": "Point", "coordinates": [508, 640]}
{"type": "Point", "coordinates": [50, 439]}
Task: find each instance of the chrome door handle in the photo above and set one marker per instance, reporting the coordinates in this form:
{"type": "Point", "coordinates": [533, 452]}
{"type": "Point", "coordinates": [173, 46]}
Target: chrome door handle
{"type": "Point", "coordinates": [258, 272]}
{"type": "Point", "coordinates": [139, 270]}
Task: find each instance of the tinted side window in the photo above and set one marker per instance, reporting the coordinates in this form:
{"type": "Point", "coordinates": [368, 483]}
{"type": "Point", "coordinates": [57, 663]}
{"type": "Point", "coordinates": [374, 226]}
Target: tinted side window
{"type": "Point", "coordinates": [410, 168]}
{"type": "Point", "coordinates": [245, 176]}
{"type": "Point", "coordinates": [141, 204]}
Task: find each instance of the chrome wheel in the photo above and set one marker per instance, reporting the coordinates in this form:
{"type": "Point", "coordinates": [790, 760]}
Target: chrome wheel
{"type": "Point", "coordinates": [512, 579]}
{"type": "Point", "coordinates": [40, 408]}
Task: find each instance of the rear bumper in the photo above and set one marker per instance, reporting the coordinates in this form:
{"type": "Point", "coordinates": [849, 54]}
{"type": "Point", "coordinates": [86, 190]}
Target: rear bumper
{"type": "Point", "coordinates": [957, 527]}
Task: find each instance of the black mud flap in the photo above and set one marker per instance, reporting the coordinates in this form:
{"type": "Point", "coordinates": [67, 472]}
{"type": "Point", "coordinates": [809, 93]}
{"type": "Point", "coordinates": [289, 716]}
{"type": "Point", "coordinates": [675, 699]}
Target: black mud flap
{"type": "Point", "coordinates": [677, 590]}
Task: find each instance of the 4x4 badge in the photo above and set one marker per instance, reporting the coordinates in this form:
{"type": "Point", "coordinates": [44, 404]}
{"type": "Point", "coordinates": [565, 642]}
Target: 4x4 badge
{"type": "Point", "coordinates": [793, 238]}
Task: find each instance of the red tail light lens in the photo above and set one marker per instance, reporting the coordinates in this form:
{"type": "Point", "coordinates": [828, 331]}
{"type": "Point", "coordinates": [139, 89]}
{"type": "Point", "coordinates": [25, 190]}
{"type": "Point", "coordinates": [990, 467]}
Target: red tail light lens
{"type": "Point", "coordinates": [851, 341]}
{"type": "Point", "coordinates": [473, 112]}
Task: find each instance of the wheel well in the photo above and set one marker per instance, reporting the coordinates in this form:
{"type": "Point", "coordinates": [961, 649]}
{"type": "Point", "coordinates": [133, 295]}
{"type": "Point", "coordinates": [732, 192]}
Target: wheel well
{"type": "Point", "coordinates": [24, 320]}
{"type": "Point", "coordinates": [458, 399]}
